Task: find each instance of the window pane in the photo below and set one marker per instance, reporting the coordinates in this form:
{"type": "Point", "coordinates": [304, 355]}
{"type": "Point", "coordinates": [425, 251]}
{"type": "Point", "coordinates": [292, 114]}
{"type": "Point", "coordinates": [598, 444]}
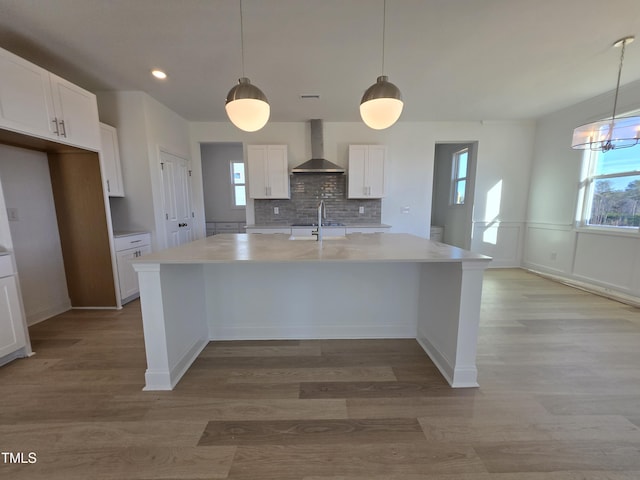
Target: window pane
{"type": "Point", "coordinates": [241, 200]}
{"type": "Point", "coordinates": [238, 172]}
{"type": "Point", "coordinates": [462, 164]}
{"type": "Point", "coordinates": [618, 161]}
{"type": "Point", "coordinates": [460, 187]}
{"type": "Point", "coordinates": [616, 202]}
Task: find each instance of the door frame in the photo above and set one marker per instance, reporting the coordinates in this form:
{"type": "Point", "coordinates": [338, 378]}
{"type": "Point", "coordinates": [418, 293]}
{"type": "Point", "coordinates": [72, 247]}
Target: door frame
{"type": "Point", "coordinates": [472, 145]}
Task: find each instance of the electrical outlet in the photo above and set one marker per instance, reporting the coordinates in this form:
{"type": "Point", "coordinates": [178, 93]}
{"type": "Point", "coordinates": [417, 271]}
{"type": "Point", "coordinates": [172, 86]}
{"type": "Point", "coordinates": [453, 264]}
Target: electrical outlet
{"type": "Point", "coordinates": [361, 210]}
{"type": "Point", "coordinates": [404, 210]}
{"type": "Point", "coordinates": [276, 210]}
{"type": "Point", "coordinates": [12, 213]}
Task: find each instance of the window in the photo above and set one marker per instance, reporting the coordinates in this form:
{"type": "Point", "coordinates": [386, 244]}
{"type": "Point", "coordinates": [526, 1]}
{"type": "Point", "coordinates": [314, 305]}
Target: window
{"type": "Point", "coordinates": [459, 177]}
{"type": "Point", "coordinates": [610, 189]}
{"type": "Point", "coordinates": [238, 187]}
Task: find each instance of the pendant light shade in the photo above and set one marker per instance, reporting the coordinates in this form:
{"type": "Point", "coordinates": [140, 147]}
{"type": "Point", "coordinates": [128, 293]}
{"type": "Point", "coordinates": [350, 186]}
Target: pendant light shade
{"type": "Point", "coordinates": [247, 106]}
{"type": "Point", "coordinates": [607, 135]}
{"type": "Point", "coordinates": [610, 134]}
{"type": "Point", "coordinates": [381, 104]}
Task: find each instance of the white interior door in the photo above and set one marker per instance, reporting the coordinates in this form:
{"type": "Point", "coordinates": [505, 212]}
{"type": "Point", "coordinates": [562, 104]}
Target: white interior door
{"type": "Point", "coordinates": [176, 184]}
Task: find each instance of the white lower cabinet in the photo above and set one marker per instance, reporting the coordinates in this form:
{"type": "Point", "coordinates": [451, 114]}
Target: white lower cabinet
{"type": "Point", "coordinates": [356, 229]}
{"type": "Point", "coordinates": [269, 230]}
{"type": "Point", "coordinates": [12, 327]}
{"type": "Point", "coordinates": [128, 249]}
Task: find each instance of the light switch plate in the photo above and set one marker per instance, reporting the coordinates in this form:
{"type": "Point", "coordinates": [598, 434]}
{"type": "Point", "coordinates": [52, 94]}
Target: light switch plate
{"type": "Point", "coordinates": [12, 213]}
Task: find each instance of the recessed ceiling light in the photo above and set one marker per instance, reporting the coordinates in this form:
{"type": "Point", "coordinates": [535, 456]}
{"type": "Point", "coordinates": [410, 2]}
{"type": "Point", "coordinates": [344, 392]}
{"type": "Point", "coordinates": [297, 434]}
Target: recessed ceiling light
{"type": "Point", "coordinates": [158, 74]}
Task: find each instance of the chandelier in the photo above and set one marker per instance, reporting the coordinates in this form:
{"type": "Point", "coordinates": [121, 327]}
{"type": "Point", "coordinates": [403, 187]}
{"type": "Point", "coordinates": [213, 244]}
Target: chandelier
{"type": "Point", "coordinates": [606, 135]}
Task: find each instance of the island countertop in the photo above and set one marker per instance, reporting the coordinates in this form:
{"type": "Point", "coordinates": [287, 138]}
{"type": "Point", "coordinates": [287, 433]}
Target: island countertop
{"type": "Point", "coordinates": [279, 248]}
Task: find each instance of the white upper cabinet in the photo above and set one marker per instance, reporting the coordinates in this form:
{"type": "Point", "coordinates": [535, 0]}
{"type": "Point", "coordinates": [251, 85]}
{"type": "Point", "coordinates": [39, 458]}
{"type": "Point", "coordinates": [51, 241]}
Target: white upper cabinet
{"type": "Point", "coordinates": [268, 171]}
{"type": "Point", "coordinates": [77, 114]}
{"type": "Point", "coordinates": [366, 171]}
{"type": "Point", "coordinates": [26, 103]}
{"type": "Point", "coordinates": [38, 103]}
{"type": "Point", "coordinates": [110, 157]}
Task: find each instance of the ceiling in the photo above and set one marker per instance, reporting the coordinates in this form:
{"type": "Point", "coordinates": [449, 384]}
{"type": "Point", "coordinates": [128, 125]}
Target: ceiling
{"type": "Point", "coordinates": [452, 59]}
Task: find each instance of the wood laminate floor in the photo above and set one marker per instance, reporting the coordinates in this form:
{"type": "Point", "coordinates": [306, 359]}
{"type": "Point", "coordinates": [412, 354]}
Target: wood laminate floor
{"type": "Point", "coordinates": [559, 371]}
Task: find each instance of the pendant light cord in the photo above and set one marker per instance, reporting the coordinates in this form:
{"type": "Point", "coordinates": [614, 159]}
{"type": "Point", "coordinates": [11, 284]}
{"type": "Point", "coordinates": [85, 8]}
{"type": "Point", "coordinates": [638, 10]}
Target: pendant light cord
{"type": "Point", "coordinates": [615, 100]}
{"type": "Point", "coordinates": [242, 38]}
{"type": "Point", "coordinates": [384, 28]}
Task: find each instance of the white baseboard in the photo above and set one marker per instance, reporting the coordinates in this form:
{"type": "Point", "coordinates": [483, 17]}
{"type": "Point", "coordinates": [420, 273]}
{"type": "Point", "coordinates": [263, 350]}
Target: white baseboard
{"type": "Point", "coordinates": [288, 332]}
{"type": "Point", "coordinates": [589, 287]}
{"type": "Point", "coordinates": [167, 380]}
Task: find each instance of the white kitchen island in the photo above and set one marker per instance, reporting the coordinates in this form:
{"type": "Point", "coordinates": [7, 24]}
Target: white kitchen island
{"type": "Point", "coordinates": [254, 287]}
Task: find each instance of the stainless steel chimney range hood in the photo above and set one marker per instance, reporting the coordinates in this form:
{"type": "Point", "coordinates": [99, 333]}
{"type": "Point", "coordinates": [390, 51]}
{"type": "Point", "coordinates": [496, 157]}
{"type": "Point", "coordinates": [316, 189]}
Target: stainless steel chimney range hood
{"type": "Point", "coordinates": [317, 164]}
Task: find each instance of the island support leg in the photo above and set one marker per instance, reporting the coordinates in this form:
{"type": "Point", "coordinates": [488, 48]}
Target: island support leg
{"type": "Point", "coordinates": [173, 307]}
{"type": "Point", "coordinates": [449, 316]}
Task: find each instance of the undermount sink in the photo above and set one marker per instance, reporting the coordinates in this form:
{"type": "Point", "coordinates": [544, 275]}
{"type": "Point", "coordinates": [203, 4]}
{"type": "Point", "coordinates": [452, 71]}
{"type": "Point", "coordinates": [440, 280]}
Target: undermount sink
{"type": "Point", "coordinates": [313, 238]}
{"type": "Point", "coordinates": [324, 224]}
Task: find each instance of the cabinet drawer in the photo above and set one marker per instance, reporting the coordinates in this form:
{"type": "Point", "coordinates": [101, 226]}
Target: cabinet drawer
{"type": "Point", "coordinates": [132, 241]}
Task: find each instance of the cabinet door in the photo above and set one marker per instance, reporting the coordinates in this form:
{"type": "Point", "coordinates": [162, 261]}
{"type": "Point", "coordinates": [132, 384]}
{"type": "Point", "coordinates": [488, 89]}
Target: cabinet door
{"type": "Point", "coordinates": [366, 171]}
{"type": "Point", "coordinates": [256, 160]}
{"type": "Point", "coordinates": [374, 172]}
{"type": "Point", "coordinates": [26, 104]}
{"type": "Point", "coordinates": [357, 187]}
{"type": "Point", "coordinates": [77, 113]}
{"type": "Point", "coordinates": [12, 335]}
{"type": "Point", "coordinates": [277, 171]}
{"type": "Point", "coordinates": [127, 276]}
{"type": "Point", "coordinates": [110, 157]}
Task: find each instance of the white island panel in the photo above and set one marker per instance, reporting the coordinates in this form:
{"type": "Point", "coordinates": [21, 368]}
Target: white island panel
{"type": "Point", "coordinates": [303, 301]}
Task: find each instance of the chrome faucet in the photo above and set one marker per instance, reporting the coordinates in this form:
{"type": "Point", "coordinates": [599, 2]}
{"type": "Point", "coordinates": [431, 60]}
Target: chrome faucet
{"type": "Point", "coordinates": [322, 213]}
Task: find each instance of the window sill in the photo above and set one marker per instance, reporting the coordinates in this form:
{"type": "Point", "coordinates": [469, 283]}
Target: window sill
{"type": "Point", "coordinates": [632, 232]}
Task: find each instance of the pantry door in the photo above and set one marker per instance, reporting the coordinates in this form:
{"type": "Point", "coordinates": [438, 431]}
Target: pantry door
{"type": "Point", "coordinates": [176, 186]}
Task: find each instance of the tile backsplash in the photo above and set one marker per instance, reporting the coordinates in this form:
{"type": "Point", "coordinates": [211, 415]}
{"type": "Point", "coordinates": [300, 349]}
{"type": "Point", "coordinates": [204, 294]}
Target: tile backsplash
{"type": "Point", "coordinates": [306, 193]}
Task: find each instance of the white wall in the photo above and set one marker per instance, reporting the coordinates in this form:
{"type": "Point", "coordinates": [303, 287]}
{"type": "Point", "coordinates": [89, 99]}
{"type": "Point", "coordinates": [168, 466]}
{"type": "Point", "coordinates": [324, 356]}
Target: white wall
{"type": "Point", "coordinates": [504, 157]}
{"type": "Point", "coordinates": [144, 126]}
{"type": "Point", "coordinates": [216, 177]}
{"type": "Point", "coordinates": [36, 240]}
{"type": "Point", "coordinates": [554, 245]}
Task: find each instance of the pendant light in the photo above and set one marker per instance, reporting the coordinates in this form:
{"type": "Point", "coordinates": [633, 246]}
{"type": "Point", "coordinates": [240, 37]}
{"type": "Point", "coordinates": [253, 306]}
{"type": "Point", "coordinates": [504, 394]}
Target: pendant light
{"type": "Point", "coordinates": [610, 134]}
{"type": "Point", "coordinates": [381, 104]}
{"type": "Point", "coordinates": [247, 107]}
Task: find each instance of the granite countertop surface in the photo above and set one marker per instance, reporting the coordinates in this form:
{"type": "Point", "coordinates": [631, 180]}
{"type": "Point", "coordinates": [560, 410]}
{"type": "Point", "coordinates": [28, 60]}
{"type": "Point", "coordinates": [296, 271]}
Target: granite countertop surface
{"type": "Point", "coordinates": [279, 248]}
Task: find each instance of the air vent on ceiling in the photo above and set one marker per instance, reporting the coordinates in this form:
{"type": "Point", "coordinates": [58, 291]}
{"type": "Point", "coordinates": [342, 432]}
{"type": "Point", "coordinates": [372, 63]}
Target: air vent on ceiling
{"type": "Point", "coordinates": [309, 96]}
